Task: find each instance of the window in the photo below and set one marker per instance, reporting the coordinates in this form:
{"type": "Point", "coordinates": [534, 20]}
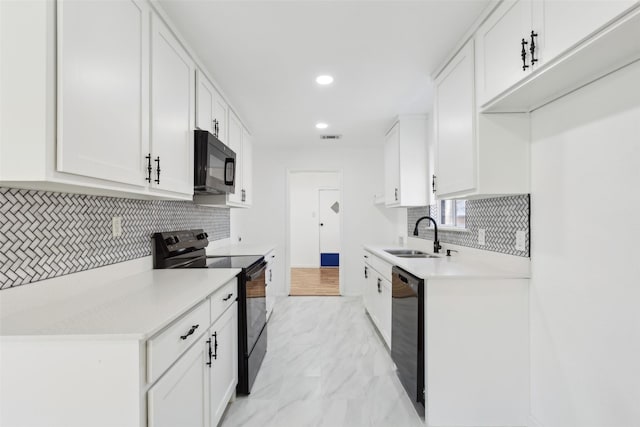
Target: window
{"type": "Point", "coordinates": [452, 213]}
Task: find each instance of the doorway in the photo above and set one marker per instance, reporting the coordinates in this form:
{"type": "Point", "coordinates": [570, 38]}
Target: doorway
{"type": "Point", "coordinates": [315, 210]}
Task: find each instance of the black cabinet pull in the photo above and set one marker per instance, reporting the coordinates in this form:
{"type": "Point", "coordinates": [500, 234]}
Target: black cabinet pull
{"type": "Point", "coordinates": [227, 298]}
{"type": "Point", "coordinates": [215, 346]}
{"type": "Point", "coordinates": [209, 344]}
{"type": "Point", "coordinates": [366, 272]}
{"type": "Point", "coordinates": [270, 275]}
{"type": "Point", "coordinates": [433, 184]}
{"type": "Point", "coordinates": [523, 55]}
{"type": "Point", "coordinates": [396, 194]}
{"type": "Point", "coordinates": [149, 168]}
{"type": "Point", "coordinates": [379, 289]}
{"type": "Point", "coordinates": [191, 331]}
{"type": "Point", "coordinates": [532, 48]}
{"type": "Point", "coordinates": [157, 160]}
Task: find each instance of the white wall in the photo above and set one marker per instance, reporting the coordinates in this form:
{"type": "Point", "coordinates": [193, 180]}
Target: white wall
{"type": "Point", "coordinates": [362, 222]}
{"type": "Point", "coordinates": [585, 250]}
{"type": "Point", "coordinates": [304, 237]}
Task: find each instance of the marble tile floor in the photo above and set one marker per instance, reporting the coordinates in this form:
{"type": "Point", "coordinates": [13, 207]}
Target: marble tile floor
{"type": "Point", "coordinates": [325, 366]}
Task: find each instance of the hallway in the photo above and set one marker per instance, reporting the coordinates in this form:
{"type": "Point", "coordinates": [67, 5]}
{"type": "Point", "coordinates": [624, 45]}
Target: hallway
{"type": "Point", "coordinates": [325, 366]}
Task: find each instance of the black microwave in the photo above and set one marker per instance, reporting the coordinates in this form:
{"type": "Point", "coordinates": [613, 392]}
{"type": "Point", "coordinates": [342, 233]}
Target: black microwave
{"type": "Point", "coordinates": [215, 165]}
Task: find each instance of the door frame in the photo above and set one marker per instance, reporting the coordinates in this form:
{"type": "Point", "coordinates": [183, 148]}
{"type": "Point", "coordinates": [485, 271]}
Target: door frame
{"type": "Point", "coordinates": [287, 248]}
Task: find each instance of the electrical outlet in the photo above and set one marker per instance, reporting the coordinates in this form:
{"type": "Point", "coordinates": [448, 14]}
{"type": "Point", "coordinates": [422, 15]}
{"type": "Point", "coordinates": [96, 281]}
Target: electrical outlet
{"type": "Point", "coordinates": [521, 240]}
{"type": "Point", "coordinates": [481, 236]}
{"type": "Point", "coordinates": [116, 226]}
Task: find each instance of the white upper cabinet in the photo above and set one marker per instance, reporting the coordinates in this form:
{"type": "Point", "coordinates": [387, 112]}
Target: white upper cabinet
{"type": "Point", "coordinates": [531, 52]}
{"type": "Point", "coordinates": [100, 97]}
{"type": "Point", "coordinates": [205, 98]}
{"type": "Point", "coordinates": [211, 109]}
{"type": "Point", "coordinates": [247, 167]}
{"type": "Point", "coordinates": [478, 155]}
{"type": "Point", "coordinates": [103, 90]}
{"type": "Point", "coordinates": [392, 166]}
{"type": "Point", "coordinates": [562, 24]}
{"type": "Point", "coordinates": [221, 116]}
{"type": "Point", "coordinates": [172, 112]}
{"type": "Point", "coordinates": [454, 114]}
{"type": "Point", "coordinates": [406, 163]}
{"type": "Point", "coordinates": [499, 45]}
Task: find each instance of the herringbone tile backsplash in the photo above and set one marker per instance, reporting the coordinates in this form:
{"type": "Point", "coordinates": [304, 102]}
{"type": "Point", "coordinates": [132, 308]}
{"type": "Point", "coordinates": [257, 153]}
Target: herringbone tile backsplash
{"type": "Point", "coordinates": [45, 235]}
{"type": "Point", "coordinates": [500, 217]}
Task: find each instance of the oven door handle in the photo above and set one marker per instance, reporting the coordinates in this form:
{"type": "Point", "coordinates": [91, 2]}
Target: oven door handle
{"type": "Point", "coordinates": [255, 274]}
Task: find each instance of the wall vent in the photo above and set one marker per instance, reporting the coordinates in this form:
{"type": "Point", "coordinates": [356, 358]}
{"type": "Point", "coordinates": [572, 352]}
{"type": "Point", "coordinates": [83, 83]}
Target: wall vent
{"type": "Point", "coordinates": [330, 136]}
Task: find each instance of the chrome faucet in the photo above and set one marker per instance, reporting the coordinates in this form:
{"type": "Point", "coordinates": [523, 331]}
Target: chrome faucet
{"type": "Point", "coordinates": [436, 242]}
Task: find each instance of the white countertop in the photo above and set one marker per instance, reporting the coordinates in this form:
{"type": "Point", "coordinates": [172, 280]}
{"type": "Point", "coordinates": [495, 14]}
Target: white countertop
{"type": "Point", "coordinates": [445, 267]}
{"type": "Point", "coordinates": [132, 307]}
{"type": "Point", "coordinates": [240, 249]}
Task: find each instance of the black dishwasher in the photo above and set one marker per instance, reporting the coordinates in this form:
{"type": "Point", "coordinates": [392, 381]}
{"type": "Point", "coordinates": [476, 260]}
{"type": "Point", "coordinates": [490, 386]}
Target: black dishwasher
{"type": "Point", "coordinates": [407, 334]}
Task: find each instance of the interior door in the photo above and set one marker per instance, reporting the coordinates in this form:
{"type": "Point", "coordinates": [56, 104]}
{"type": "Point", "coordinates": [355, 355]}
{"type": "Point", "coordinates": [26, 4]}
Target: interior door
{"type": "Point", "coordinates": [329, 215]}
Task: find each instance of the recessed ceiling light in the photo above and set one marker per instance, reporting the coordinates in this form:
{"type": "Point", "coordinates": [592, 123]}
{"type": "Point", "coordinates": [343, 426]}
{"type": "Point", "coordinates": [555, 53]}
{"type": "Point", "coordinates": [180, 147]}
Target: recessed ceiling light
{"type": "Point", "coordinates": [324, 80]}
{"type": "Point", "coordinates": [322, 125]}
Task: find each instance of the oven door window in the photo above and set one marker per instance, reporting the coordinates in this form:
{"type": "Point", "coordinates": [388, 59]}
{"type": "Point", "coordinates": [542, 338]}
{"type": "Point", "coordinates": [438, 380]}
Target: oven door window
{"type": "Point", "coordinates": [256, 306]}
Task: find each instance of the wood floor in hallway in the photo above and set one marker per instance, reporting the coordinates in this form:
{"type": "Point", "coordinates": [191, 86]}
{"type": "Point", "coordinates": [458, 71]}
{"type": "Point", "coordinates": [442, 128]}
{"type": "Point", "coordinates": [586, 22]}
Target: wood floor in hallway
{"type": "Point", "coordinates": [322, 281]}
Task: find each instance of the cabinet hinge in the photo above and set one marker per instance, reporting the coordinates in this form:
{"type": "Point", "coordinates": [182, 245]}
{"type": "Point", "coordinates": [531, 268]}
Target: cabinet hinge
{"type": "Point", "coordinates": [433, 183]}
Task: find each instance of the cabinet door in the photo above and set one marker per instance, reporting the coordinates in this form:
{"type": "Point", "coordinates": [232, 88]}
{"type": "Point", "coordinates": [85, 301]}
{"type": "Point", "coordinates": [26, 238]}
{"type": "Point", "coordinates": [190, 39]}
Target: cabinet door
{"type": "Point", "coordinates": [562, 24]}
{"type": "Point", "coordinates": [103, 92]}
{"type": "Point", "coordinates": [270, 296]}
{"type": "Point", "coordinates": [172, 115]}
{"type": "Point", "coordinates": [224, 365]}
{"type": "Point", "coordinates": [366, 287]}
{"type": "Point", "coordinates": [385, 311]}
{"type": "Point", "coordinates": [205, 96]}
{"type": "Point", "coordinates": [499, 48]}
{"type": "Point", "coordinates": [392, 166]}
{"type": "Point", "coordinates": [235, 143]}
{"type": "Point", "coordinates": [221, 114]}
{"type": "Point", "coordinates": [180, 397]}
{"type": "Point", "coordinates": [455, 117]}
{"type": "Point", "coordinates": [247, 164]}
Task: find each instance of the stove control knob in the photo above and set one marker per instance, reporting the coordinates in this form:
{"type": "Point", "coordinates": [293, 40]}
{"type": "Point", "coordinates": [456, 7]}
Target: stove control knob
{"type": "Point", "coordinates": [176, 239]}
{"type": "Point", "coordinates": [170, 241]}
{"type": "Point", "coordinates": [202, 236]}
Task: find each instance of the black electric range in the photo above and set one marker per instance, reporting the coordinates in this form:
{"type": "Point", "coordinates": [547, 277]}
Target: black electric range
{"type": "Point", "coordinates": [185, 249]}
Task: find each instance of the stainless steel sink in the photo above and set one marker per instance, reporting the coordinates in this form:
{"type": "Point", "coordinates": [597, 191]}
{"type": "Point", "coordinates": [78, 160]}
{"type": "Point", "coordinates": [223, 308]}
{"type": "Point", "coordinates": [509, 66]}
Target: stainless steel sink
{"type": "Point", "coordinates": [409, 253]}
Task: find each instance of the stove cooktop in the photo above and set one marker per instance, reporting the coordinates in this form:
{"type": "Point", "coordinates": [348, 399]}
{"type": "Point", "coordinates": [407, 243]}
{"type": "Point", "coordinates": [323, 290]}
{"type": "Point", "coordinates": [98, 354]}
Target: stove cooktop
{"type": "Point", "coordinates": [232, 261]}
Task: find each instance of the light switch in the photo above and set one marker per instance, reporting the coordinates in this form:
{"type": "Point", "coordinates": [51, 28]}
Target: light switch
{"type": "Point", "coordinates": [116, 226]}
{"type": "Point", "coordinates": [481, 236]}
{"type": "Point", "coordinates": [521, 240]}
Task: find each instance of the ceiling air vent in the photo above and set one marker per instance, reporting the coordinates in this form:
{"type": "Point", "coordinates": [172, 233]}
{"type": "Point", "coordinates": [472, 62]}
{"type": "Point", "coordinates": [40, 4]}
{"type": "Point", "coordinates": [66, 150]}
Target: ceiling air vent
{"type": "Point", "coordinates": [330, 136]}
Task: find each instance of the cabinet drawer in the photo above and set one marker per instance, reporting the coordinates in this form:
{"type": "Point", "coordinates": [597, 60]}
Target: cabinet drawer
{"type": "Point", "coordinates": [223, 298]}
{"type": "Point", "coordinates": [382, 267]}
{"type": "Point", "coordinates": [168, 345]}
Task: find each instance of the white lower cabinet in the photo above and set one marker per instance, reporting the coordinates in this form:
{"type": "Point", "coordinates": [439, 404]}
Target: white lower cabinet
{"type": "Point", "coordinates": [377, 294]}
{"type": "Point", "coordinates": [196, 390]}
{"type": "Point", "coordinates": [270, 281]}
{"type": "Point", "coordinates": [181, 396]}
{"type": "Point", "coordinates": [223, 372]}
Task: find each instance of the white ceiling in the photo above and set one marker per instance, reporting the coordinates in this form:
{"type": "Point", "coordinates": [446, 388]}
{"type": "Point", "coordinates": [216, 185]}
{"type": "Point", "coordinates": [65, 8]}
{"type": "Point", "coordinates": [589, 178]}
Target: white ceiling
{"type": "Point", "coordinates": [265, 55]}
